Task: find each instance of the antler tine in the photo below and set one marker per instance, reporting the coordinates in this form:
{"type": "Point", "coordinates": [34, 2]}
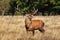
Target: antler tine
{"type": "Point", "coordinates": [35, 11]}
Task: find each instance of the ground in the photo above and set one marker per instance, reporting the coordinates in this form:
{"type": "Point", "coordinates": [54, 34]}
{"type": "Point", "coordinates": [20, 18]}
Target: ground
{"type": "Point", "coordinates": [12, 28]}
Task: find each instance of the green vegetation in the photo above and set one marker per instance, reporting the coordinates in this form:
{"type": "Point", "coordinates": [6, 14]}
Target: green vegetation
{"type": "Point", "coordinates": [18, 7]}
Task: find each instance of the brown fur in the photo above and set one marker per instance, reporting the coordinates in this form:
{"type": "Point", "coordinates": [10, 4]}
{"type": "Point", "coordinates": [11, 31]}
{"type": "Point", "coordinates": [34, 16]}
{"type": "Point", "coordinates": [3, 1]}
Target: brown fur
{"type": "Point", "coordinates": [36, 24]}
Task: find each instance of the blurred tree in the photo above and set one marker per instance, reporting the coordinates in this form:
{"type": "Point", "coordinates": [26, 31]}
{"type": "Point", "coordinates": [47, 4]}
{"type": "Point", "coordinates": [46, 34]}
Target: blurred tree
{"type": "Point", "coordinates": [4, 6]}
{"type": "Point", "coordinates": [45, 7]}
{"type": "Point", "coordinates": [57, 7]}
{"type": "Point", "coordinates": [12, 8]}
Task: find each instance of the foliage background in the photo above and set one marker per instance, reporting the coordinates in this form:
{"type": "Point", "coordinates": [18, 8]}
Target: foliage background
{"type": "Point", "coordinates": [18, 7]}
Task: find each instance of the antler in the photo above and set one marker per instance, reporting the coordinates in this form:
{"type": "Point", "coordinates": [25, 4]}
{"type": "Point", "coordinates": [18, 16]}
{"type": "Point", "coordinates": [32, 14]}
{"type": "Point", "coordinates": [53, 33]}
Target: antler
{"type": "Point", "coordinates": [34, 11]}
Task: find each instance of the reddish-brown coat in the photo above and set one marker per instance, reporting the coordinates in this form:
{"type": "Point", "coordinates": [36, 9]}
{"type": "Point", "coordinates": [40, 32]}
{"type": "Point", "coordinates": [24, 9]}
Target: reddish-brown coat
{"type": "Point", "coordinates": [36, 24]}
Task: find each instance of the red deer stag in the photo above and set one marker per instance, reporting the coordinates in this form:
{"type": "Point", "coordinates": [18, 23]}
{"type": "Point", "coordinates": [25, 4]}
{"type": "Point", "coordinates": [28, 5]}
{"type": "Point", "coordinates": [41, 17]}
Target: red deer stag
{"type": "Point", "coordinates": [32, 25]}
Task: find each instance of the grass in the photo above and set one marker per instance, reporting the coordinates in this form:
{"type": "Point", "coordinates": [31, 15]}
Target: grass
{"type": "Point", "coordinates": [12, 28]}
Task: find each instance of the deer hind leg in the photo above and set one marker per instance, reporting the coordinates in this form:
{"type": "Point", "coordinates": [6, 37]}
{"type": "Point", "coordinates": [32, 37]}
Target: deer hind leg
{"type": "Point", "coordinates": [42, 30]}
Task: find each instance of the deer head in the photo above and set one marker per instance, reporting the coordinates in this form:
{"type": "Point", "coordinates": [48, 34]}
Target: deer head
{"type": "Point", "coordinates": [30, 15]}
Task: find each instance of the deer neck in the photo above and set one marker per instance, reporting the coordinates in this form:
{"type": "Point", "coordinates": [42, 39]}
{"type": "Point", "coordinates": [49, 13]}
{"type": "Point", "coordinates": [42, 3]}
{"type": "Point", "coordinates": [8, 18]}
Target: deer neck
{"type": "Point", "coordinates": [28, 20]}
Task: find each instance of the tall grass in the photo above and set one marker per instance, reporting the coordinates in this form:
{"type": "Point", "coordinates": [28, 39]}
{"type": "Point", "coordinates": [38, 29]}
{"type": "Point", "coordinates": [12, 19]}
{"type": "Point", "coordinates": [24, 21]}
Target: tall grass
{"type": "Point", "coordinates": [12, 28]}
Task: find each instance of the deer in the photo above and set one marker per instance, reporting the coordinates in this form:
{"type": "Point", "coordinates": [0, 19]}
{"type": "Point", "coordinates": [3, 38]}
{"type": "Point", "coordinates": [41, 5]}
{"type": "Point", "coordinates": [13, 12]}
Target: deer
{"type": "Point", "coordinates": [32, 25]}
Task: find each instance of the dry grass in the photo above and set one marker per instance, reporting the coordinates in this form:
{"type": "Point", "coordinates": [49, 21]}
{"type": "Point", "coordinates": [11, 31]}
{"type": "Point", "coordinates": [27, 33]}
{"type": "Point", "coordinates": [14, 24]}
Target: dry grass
{"type": "Point", "coordinates": [12, 28]}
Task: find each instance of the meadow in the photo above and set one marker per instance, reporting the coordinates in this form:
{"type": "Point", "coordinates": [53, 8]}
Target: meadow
{"type": "Point", "coordinates": [12, 28]}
